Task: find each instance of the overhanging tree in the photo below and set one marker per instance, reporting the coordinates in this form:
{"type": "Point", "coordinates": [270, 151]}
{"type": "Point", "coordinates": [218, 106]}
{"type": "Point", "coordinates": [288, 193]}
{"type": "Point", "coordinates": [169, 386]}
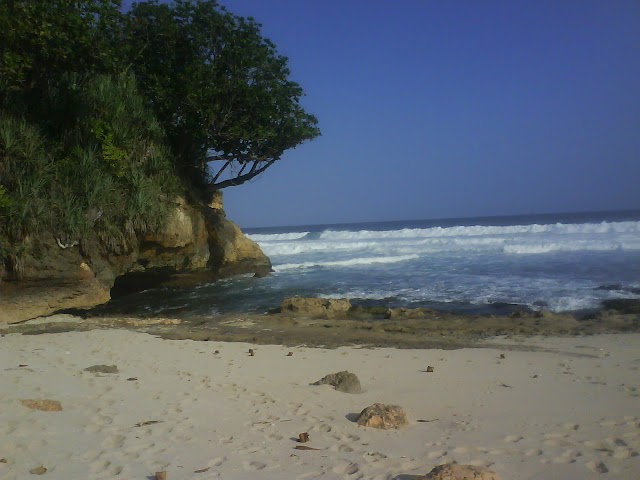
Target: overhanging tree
{"type": "Point", "coordinates": [219, 88]}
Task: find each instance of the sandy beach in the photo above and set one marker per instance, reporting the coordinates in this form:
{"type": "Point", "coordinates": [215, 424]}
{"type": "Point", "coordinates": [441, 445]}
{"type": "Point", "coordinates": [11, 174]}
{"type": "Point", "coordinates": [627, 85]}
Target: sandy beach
{"type": "Point", "coordinates": [569, 408]}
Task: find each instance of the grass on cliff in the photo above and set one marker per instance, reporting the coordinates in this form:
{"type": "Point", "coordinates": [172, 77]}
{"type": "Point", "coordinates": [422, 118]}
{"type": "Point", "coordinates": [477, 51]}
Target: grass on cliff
{"type": "Point", "coordinates": [101, 168]}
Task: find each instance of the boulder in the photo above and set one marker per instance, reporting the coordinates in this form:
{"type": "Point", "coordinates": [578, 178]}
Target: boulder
{"type": "Point", "coordinates": [454, 471]}
{"type": "Point", "coordinates": [315, 307]}
{"type": "Point", "coordinates": [383, 416]}
{"type": "Point", "coordinates": [344, 381]}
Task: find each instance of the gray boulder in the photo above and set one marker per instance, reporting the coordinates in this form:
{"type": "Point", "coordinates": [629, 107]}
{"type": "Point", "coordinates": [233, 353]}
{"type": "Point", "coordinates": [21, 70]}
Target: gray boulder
{"type": "Point", "coordinates": [344, 381]}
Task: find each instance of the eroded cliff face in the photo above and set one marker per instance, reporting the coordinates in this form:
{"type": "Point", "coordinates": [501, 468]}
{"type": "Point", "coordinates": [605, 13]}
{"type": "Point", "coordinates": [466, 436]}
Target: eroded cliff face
{"type": "Point", "coordinates": [197, 245]}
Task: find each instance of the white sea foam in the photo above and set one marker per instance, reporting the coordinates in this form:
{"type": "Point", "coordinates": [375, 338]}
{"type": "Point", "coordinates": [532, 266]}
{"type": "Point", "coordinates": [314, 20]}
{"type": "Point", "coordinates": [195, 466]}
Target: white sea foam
{"type": "Point", "coordinates": [480, 230]}
{"type": "Point", "coordinates": [345, 263]}
{"type": "Point", "coordinates": [276, 237]}
{"type": "Point", "coordinates": [516, 239]}
{"type": "Point", "coordinates": [548, 247]}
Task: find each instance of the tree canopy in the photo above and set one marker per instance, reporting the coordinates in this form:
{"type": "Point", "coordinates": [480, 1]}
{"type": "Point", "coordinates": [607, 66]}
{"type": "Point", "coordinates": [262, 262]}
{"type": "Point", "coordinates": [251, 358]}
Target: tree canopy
{"type": "Point", "coordinates": [228, 97]}
{"type": "Point", "coordinates": [106, 114]}
{"type": "Point", "coordinates": [219, 89]}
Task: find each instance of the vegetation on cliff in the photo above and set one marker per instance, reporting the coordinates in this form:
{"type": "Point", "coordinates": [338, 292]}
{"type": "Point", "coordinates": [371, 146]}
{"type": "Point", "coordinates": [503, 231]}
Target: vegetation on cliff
{"type": "Point", "coordinates": [106, 115]}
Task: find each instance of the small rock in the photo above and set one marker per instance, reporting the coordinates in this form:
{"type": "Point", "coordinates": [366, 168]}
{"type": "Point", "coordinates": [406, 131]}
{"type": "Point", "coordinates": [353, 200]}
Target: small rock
{"type": "Point", "coordinates": [502, 356]}
{"type": "Point", "coordinates": [429, 369]}
{"type": "Point", "coordinates": [131, 379]}
{"type": "Point", "coordinates": [38, 470]}
{"type": "Point", "coordinates": [42, 405]}
{"type": "Point", "coordinates": [344, 381]}
{"type": "Point", "coordinates": [3, 460]}
{"type": "Point", "coordinates": [290, 354]}
{"type": "Point", "coordinates": [454, 471]}
{"type": "Point", "coordinates": [315, 307]}
{"type": "Point", "coordinates": [303, 437]}
{"type": "Point", "coordinates": [102, 369]}
{"type": "Point", "coordinates": [161, 475]}
{"type": "Point", "coordinates": [383, 416]}
{"type": "Point", "coordinates": [251, 352]}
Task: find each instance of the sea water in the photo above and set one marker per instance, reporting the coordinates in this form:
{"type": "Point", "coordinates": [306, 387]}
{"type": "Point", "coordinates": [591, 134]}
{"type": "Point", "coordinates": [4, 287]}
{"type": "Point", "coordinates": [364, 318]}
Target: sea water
{"type": "Point", "coordinates": [558, 262]}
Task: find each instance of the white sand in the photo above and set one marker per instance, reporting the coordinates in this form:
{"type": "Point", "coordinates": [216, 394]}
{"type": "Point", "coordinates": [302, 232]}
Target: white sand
{"type": "Point", "coordinates": [238, 415]}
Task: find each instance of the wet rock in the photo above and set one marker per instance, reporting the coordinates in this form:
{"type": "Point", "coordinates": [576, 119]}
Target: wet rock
{"type": "Point", "coordinates": [42, 405]}
{"type": "Point", "coordinates": [454, 471]}
{"type": "Point", "coordinates": [623, 305]}
{"type": "Point", "coordinates": [316, 307]}
{"type": "Point", "coordinates": [383, 416]}
{"type": "Point", "coordinates": [102, 369]}
{"type": "Point", "coordinates": [394, 313]}
{"type": "Point", "coordinates": [342, 381]}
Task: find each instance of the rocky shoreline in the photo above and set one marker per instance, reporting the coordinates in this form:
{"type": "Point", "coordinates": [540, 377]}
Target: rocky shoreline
{"type": "Point", "coordinates": [344, 325]}
{"type": "Point", "coordinates": [198, 245]}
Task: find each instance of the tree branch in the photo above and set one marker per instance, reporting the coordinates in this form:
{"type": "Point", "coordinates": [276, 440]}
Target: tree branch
{"type": "Point", "coordinates": [240, 179]}
{"type": "Point", "coordinates": [220, 171]}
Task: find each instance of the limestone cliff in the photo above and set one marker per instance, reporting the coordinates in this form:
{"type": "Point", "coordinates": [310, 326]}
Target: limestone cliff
{"type": "Point", "coordinates": [198, 244]}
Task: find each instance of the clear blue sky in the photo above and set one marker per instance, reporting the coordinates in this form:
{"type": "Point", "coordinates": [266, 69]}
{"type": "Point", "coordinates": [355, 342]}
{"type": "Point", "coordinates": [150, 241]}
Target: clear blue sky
{"type": "Point", "coordinates": [434, 109]}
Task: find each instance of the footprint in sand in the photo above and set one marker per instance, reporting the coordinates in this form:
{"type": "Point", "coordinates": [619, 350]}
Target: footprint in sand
{"type": "Point", "coordinates": [512, 438]}
{"type": "Point", "coordinates": [113, 441]}
{"type": "Point", "coordinates": [436, 454]}
{"type": "Point", "coordinates": [341, 448]}
{"type": "Point", "coordinates": [596, 466]}
{"type": "Point", "coordinates": [374, 456]}
{"type": "Point", "coordinates": [324, 428]}
{"type": "Point", "coordinates": [253, 466]}
{"type": "Point", "coordinates": [346, 467]}
{"type": "Point", "coordinates": [216, 462]}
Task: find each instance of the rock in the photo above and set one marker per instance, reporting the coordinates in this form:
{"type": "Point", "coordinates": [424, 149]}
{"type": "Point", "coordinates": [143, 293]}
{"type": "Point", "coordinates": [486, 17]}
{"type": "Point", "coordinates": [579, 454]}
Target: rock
{"type": "Point", "coordinates": [342, 381]}
{"type": "Point", "coordinates": [383, 416]}
{"type": "Point", "coordinates": [623, 305]}
{"type": "Point", "coordinates": [394, 313]}
{"type": "Point", "coordinates": [38, 470]}
{"type": "Point", "coordinates": [197, 245]}
{"type": "Point", "coordinates": [454, 471]}
{"type": "Point", "coordinates": [42, 405]}
{"type": "Point", "coordinates": [315, 307]}
{"type": "Point", "coordinates": [303, 437]}
{"type": "Point", "coordinates": [102, 369]}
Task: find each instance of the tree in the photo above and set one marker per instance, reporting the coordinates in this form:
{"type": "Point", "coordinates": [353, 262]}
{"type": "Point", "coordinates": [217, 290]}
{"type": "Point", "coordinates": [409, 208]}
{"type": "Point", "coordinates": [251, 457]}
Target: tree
{"type": "Point", "coordinates": [43, 43]}
{"type": "Point", "coordinates": [219, 88]}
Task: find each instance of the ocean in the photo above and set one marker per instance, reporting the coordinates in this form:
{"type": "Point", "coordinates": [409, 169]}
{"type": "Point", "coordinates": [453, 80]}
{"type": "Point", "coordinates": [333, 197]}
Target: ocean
{"type": "Point", "coordinates": [489, 265]}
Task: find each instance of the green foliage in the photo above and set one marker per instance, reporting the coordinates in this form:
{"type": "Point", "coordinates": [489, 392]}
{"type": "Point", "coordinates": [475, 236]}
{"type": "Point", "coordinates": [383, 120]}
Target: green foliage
{"type": "Point", "coordinates": [219, 88]}
{"type": "Point", "coordinates": [103, 113]}
{"type": "Point", "coordinates": [79, 186]}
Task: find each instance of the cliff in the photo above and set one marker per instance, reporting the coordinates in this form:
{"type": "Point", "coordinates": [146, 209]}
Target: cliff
{"type": "Point", "coordinates": [197, 245]}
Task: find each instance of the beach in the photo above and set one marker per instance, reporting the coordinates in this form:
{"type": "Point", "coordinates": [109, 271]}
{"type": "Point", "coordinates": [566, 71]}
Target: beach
{"type": "Point", "coordinates": [527, 407]}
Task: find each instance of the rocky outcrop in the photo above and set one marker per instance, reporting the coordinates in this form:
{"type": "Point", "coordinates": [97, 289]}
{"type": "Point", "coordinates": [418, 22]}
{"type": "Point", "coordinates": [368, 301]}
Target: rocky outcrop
{"type": "Point", "coordinates": [383, 416]}
{"type": "Point", "coordinates": [198, 244]}
{"type": "Point", "coordinates": [454, 471]}
{"type": "Point", "coordinates": [315, 307]}
{"type": "Point", "coordinates": [344, 381]}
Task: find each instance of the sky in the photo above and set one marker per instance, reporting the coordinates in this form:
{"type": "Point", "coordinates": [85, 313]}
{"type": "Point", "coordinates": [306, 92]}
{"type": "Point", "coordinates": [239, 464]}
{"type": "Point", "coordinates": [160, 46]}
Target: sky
{"type": "Point", "coordinates": [438, 109]}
